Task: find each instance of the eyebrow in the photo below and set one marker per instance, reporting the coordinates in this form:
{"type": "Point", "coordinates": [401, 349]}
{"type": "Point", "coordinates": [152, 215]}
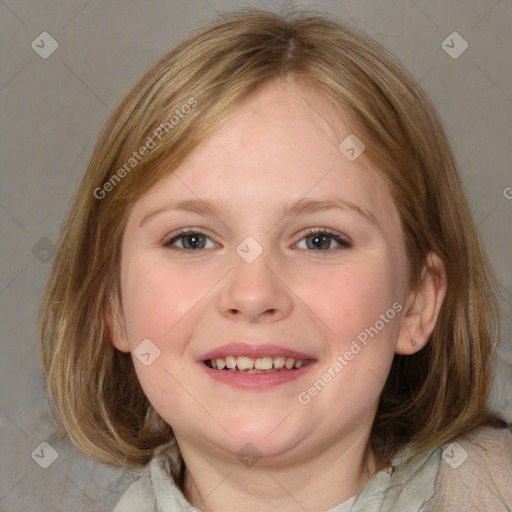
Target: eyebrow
{"type": "Point", "coordinates": [286, 209]}
{"type": "Point", "coordinates": [302, 206]}
{"type": "Point", "coordinates": [199, 206]}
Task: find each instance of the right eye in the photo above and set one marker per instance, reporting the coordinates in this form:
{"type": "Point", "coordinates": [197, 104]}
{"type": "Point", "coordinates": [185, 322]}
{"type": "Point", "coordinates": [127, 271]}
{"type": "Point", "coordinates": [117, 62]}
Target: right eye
{"type": "Point", "coordinates": [189, 239]}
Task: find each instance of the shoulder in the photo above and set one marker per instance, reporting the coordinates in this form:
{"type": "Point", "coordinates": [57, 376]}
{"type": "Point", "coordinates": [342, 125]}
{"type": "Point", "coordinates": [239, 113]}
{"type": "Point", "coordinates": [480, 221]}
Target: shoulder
{"type": "Point", "coordinates": [475, 472]}
{"type": "Point", "coordinates": [138, 497]}
{"type": "Point", "coordinates": [155, 489]}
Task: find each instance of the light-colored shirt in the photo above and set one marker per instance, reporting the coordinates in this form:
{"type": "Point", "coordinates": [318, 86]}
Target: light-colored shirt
{"type": "Point", "coordinates": [471, 474]}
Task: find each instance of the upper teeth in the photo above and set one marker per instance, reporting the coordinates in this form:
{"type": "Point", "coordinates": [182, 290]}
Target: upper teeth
{"type": "Point", "coordinates": [260, 363]}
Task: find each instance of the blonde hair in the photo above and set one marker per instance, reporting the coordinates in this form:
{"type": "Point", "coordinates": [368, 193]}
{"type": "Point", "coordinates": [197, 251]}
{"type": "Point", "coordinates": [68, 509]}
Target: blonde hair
{"type": "Point", "coordinates": [430, 397]}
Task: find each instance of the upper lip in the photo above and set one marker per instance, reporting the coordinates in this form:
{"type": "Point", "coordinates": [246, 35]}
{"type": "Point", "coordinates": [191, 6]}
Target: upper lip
{"type": "Point", "coordinates": [253, 351]}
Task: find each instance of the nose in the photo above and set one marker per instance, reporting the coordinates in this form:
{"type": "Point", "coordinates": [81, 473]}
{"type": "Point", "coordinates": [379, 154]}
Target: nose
{"type": "Point", "coordinates": [255, 292]}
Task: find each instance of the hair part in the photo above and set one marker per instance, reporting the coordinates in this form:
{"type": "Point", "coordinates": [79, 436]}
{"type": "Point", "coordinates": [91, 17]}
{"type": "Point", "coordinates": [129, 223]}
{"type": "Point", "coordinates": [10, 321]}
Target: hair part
{"type": "Point", "coordinates": [430, 397]}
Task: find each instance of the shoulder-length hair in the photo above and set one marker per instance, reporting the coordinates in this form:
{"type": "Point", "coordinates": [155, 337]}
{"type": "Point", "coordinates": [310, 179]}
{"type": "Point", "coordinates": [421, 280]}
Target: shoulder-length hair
{"type": "Point", "coordinates": [430, 397]}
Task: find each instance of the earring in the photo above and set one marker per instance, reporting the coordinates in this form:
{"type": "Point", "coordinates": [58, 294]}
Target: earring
{"type": "Point", "coordinates": [414, 342]}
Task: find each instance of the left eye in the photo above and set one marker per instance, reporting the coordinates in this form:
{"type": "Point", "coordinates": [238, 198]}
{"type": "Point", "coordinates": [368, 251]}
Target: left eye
{"type": "Point", "coordinates": [321, 240]}
{"type": "Point", "coordinates": [190, 240]}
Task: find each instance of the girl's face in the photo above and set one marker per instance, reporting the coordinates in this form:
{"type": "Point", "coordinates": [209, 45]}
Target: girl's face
{"type": "Point", "coordinates": [294, 256]}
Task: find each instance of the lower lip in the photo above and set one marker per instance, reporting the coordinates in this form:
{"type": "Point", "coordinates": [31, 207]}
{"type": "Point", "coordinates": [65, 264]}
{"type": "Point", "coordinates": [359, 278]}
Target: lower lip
{"type": "Point", "coordinates": [256, 381]}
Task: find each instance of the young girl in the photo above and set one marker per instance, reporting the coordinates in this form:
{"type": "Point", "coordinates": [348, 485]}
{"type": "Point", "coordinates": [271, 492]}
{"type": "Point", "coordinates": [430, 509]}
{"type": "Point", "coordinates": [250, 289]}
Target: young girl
{"type": "Point", "coordinates": [271, 290]}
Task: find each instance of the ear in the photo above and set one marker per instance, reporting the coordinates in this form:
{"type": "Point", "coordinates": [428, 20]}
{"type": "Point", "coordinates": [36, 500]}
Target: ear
{"type": "Point", "coordinates": [115, 323]}
{"type": "Point", "coordinates": [422, 307]}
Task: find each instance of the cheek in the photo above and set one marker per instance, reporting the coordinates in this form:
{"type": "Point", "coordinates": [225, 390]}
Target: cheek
{"type": "Point", "coordinates": [355, 300]}
{"type": "Point", "coordinates": [350, 301]}
{"type": "Point", "coordinates": [157, 297]}
{"type": "Point", "coordinates": [352, 298]}
{"type": "Point", "coordinates": [160, 304]}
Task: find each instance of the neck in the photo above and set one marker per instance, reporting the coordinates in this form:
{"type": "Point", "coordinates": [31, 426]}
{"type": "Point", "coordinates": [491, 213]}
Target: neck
{"type": "Point", "coordinates": [317, 484]}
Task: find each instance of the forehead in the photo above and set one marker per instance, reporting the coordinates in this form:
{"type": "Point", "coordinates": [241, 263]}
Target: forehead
{"type": "Point", "coordinates": [280, 143]}
{"type": "Point", "coordinates": [281, 124]}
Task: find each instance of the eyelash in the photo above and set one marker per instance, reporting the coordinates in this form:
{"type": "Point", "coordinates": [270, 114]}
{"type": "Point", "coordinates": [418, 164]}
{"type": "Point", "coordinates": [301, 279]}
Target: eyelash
{"type": "Point", "coordinates": [344, 243]}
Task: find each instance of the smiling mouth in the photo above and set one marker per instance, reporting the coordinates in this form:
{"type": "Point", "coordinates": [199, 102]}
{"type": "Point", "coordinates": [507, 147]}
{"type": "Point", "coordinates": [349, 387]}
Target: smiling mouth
{"type": "Point", "coordinates": [245, 364]}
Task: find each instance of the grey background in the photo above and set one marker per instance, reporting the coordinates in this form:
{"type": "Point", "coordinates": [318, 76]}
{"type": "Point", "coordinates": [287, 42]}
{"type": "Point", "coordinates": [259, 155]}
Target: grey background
{"type": "Point", "coordinates": [52, 110]}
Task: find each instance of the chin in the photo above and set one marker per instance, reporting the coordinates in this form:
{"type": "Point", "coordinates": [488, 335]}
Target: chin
{"type": "Point", "coordinates": [272, 445]}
